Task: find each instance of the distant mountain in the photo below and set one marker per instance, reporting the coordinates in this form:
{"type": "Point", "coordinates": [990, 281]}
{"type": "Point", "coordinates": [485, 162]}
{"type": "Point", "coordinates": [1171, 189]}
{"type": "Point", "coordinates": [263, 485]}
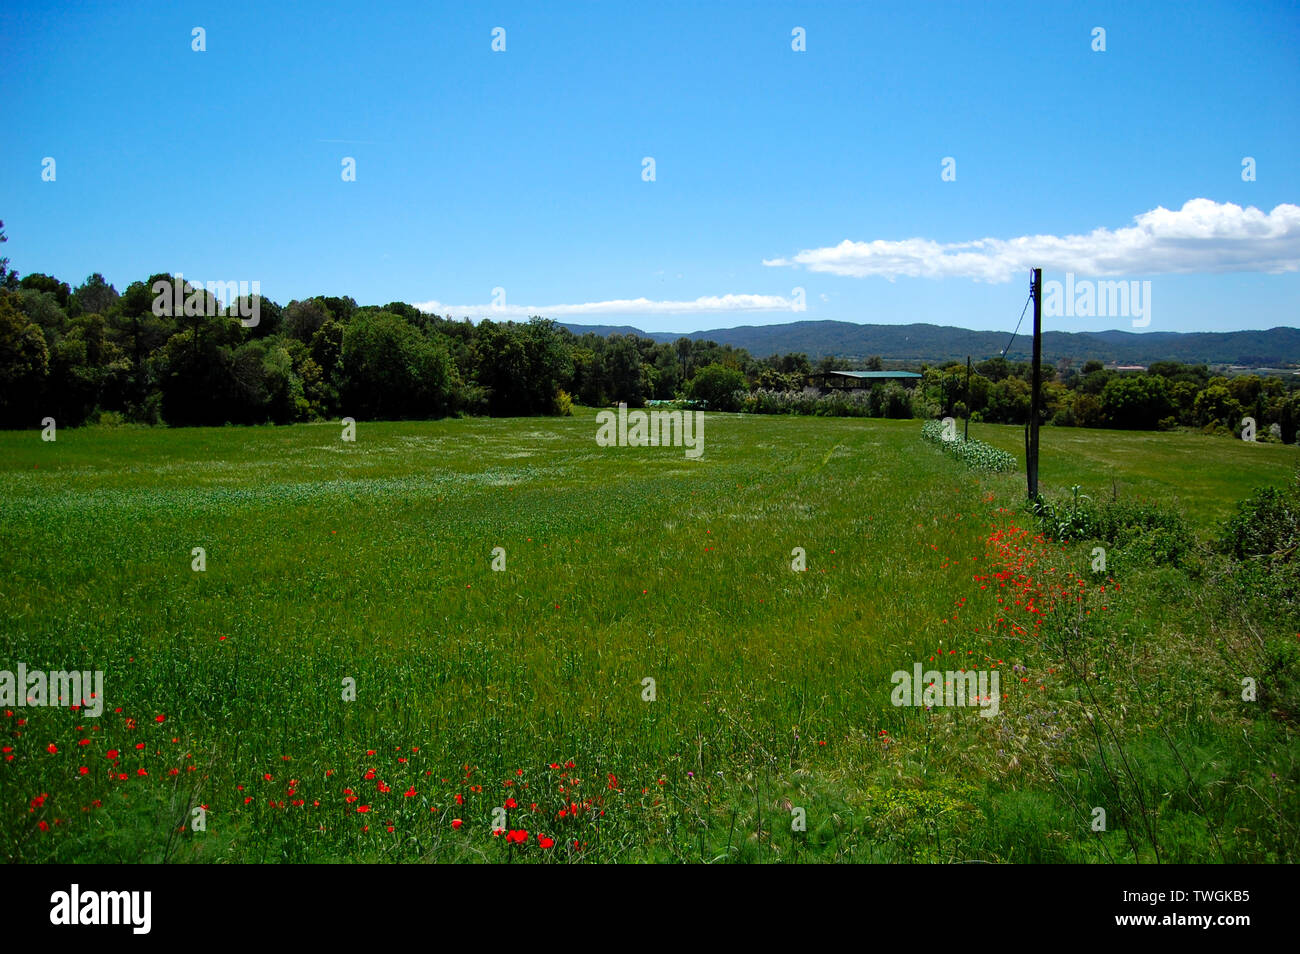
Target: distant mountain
{"type": "Point", "coordinates": [936, 343]}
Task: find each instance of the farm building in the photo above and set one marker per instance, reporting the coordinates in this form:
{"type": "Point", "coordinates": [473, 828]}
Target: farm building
{"type": "Point", "coordinates": [854, 380]}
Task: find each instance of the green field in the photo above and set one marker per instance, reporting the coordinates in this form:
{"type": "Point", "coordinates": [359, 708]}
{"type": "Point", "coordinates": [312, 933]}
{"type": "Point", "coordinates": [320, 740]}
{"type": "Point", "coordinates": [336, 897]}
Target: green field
{"type": "Point", "coordinates": [371, 561]}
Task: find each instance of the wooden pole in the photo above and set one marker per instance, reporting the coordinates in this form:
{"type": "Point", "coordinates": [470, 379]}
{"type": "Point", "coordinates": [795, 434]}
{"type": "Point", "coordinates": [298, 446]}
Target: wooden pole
{"type": "Point", "coordinates": [1035, 397]}
{"type": "Point", "coordinates": [967, 434]}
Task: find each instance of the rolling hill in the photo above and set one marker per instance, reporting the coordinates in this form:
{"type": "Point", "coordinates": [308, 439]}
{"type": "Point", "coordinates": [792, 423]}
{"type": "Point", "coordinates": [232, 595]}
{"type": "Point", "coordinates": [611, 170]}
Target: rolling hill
{"type": "Point", "coordinates": [936, 343]}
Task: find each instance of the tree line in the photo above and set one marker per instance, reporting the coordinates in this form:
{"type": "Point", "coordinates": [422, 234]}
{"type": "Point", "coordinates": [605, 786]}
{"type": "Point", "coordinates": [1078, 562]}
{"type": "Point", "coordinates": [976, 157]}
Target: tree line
{"type": "Point", "coordinates": [90, 353]}
{"type": "Point", "coordinates": [1166, 395]}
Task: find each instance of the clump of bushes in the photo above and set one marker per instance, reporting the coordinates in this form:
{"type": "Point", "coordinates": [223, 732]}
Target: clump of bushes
{"type": "Point", "coordinates": [974, 453]}
{"type": "Point", "coordinates": [1263, 538]}
{"type": "Point", "coordinates": [1155, 534]}
{"type": "Point", "coordinates": [1266, 524]}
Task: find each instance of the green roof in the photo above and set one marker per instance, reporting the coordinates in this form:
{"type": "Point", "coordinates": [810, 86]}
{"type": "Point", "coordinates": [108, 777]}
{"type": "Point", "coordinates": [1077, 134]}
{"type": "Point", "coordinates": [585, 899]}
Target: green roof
{"type": "Point", "coordinates": [876, 374]}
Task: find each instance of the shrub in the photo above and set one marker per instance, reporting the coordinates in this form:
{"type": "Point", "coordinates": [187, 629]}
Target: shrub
{"type": "Point", "coordinates": [1144, 532]}
{"type": "Point", "coordinates": [1263, 538]}
{"type": "Point", "coordinates": [108, 419]}
{"type": "Point", "coordinates": [1266, 523]}
{"type": "Point", "coordinates": [1280, 686]}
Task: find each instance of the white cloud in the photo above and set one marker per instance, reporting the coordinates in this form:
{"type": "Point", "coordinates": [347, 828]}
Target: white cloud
{"type": "Point", "coordinates": [1203, 236]}
{"type": "Point", "coordinates": [709, 304]}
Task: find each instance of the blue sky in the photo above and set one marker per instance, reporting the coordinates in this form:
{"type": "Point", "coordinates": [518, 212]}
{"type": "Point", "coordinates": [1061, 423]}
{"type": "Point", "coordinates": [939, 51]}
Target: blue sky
{"type": "Point", "coordinates": [522, 170]}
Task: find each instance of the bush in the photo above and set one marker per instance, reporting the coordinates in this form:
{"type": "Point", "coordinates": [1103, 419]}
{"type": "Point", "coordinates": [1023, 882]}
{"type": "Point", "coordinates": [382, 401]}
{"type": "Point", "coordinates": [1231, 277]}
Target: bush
{"type": "Point", "coordinates": [1144, 532]}
{"type": "Point", "coordinates": [563, 403]}
{"type": "Point", "coordinates": [108, 419]}
{"type": "Point", "coordinates": [1263, 538]}
{"type": "Point", "coordinates": [1265, 524]}
{"type": "Point", "coordinates": [1280, 686]}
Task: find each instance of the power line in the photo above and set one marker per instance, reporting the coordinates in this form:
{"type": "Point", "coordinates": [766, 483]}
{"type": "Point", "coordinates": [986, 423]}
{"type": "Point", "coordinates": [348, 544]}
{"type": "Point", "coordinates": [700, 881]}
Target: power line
{"type": "Point", "coordinates": [1022, 318]}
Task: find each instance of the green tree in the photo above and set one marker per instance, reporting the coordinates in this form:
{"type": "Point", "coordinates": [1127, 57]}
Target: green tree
{"type": "Point", "coordinates": [522, 366]}
{"type": "Point", "coordinates": [718, 387]}
{"type": "Point", "coordinates": [198, 380]}
{"type": "Point", "coordinates": [550, 368]}
{"type": "Point", "coordinates": [1008, 401]}
{"type": "Point", "coordinates": [42, 308]}
{"type": "Point", "coordinates": [95, 295]}
{"type": "Point", "coordinates": [302, 319]}
{"type": "Point", "coordinates": [37, 281]}
{"type": "Point", "coordinates": [623, 377]}
{"type": "Point", "coordinates": [1216, 405]}
{"type": "Point", "coordinates": [87, 370]}
{"type": "Point", "coordinates": [8, 279]}
{"type": "Point", "coordinates": [24, 364]}
{"type": "Point", "coordinates": [1137, 401]}
{"type": "Point", "coordinates": [392, 371]}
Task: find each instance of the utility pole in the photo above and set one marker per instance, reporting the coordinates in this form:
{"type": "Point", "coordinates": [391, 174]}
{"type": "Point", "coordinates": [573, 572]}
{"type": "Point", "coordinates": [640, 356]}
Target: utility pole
{"type": "Point", "coordinates": [967, 434]}
{"type": "Point", "coordinates": [1035, 398]}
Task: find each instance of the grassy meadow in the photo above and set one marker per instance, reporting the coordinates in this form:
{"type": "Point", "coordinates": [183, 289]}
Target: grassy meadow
{"type": "Point", "coordinates": [517, 698]}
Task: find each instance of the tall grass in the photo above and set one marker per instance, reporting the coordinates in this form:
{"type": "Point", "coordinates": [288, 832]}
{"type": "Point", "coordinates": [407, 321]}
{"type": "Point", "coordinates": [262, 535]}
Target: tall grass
{"type": "Point", "coordinates": [329, 561]}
